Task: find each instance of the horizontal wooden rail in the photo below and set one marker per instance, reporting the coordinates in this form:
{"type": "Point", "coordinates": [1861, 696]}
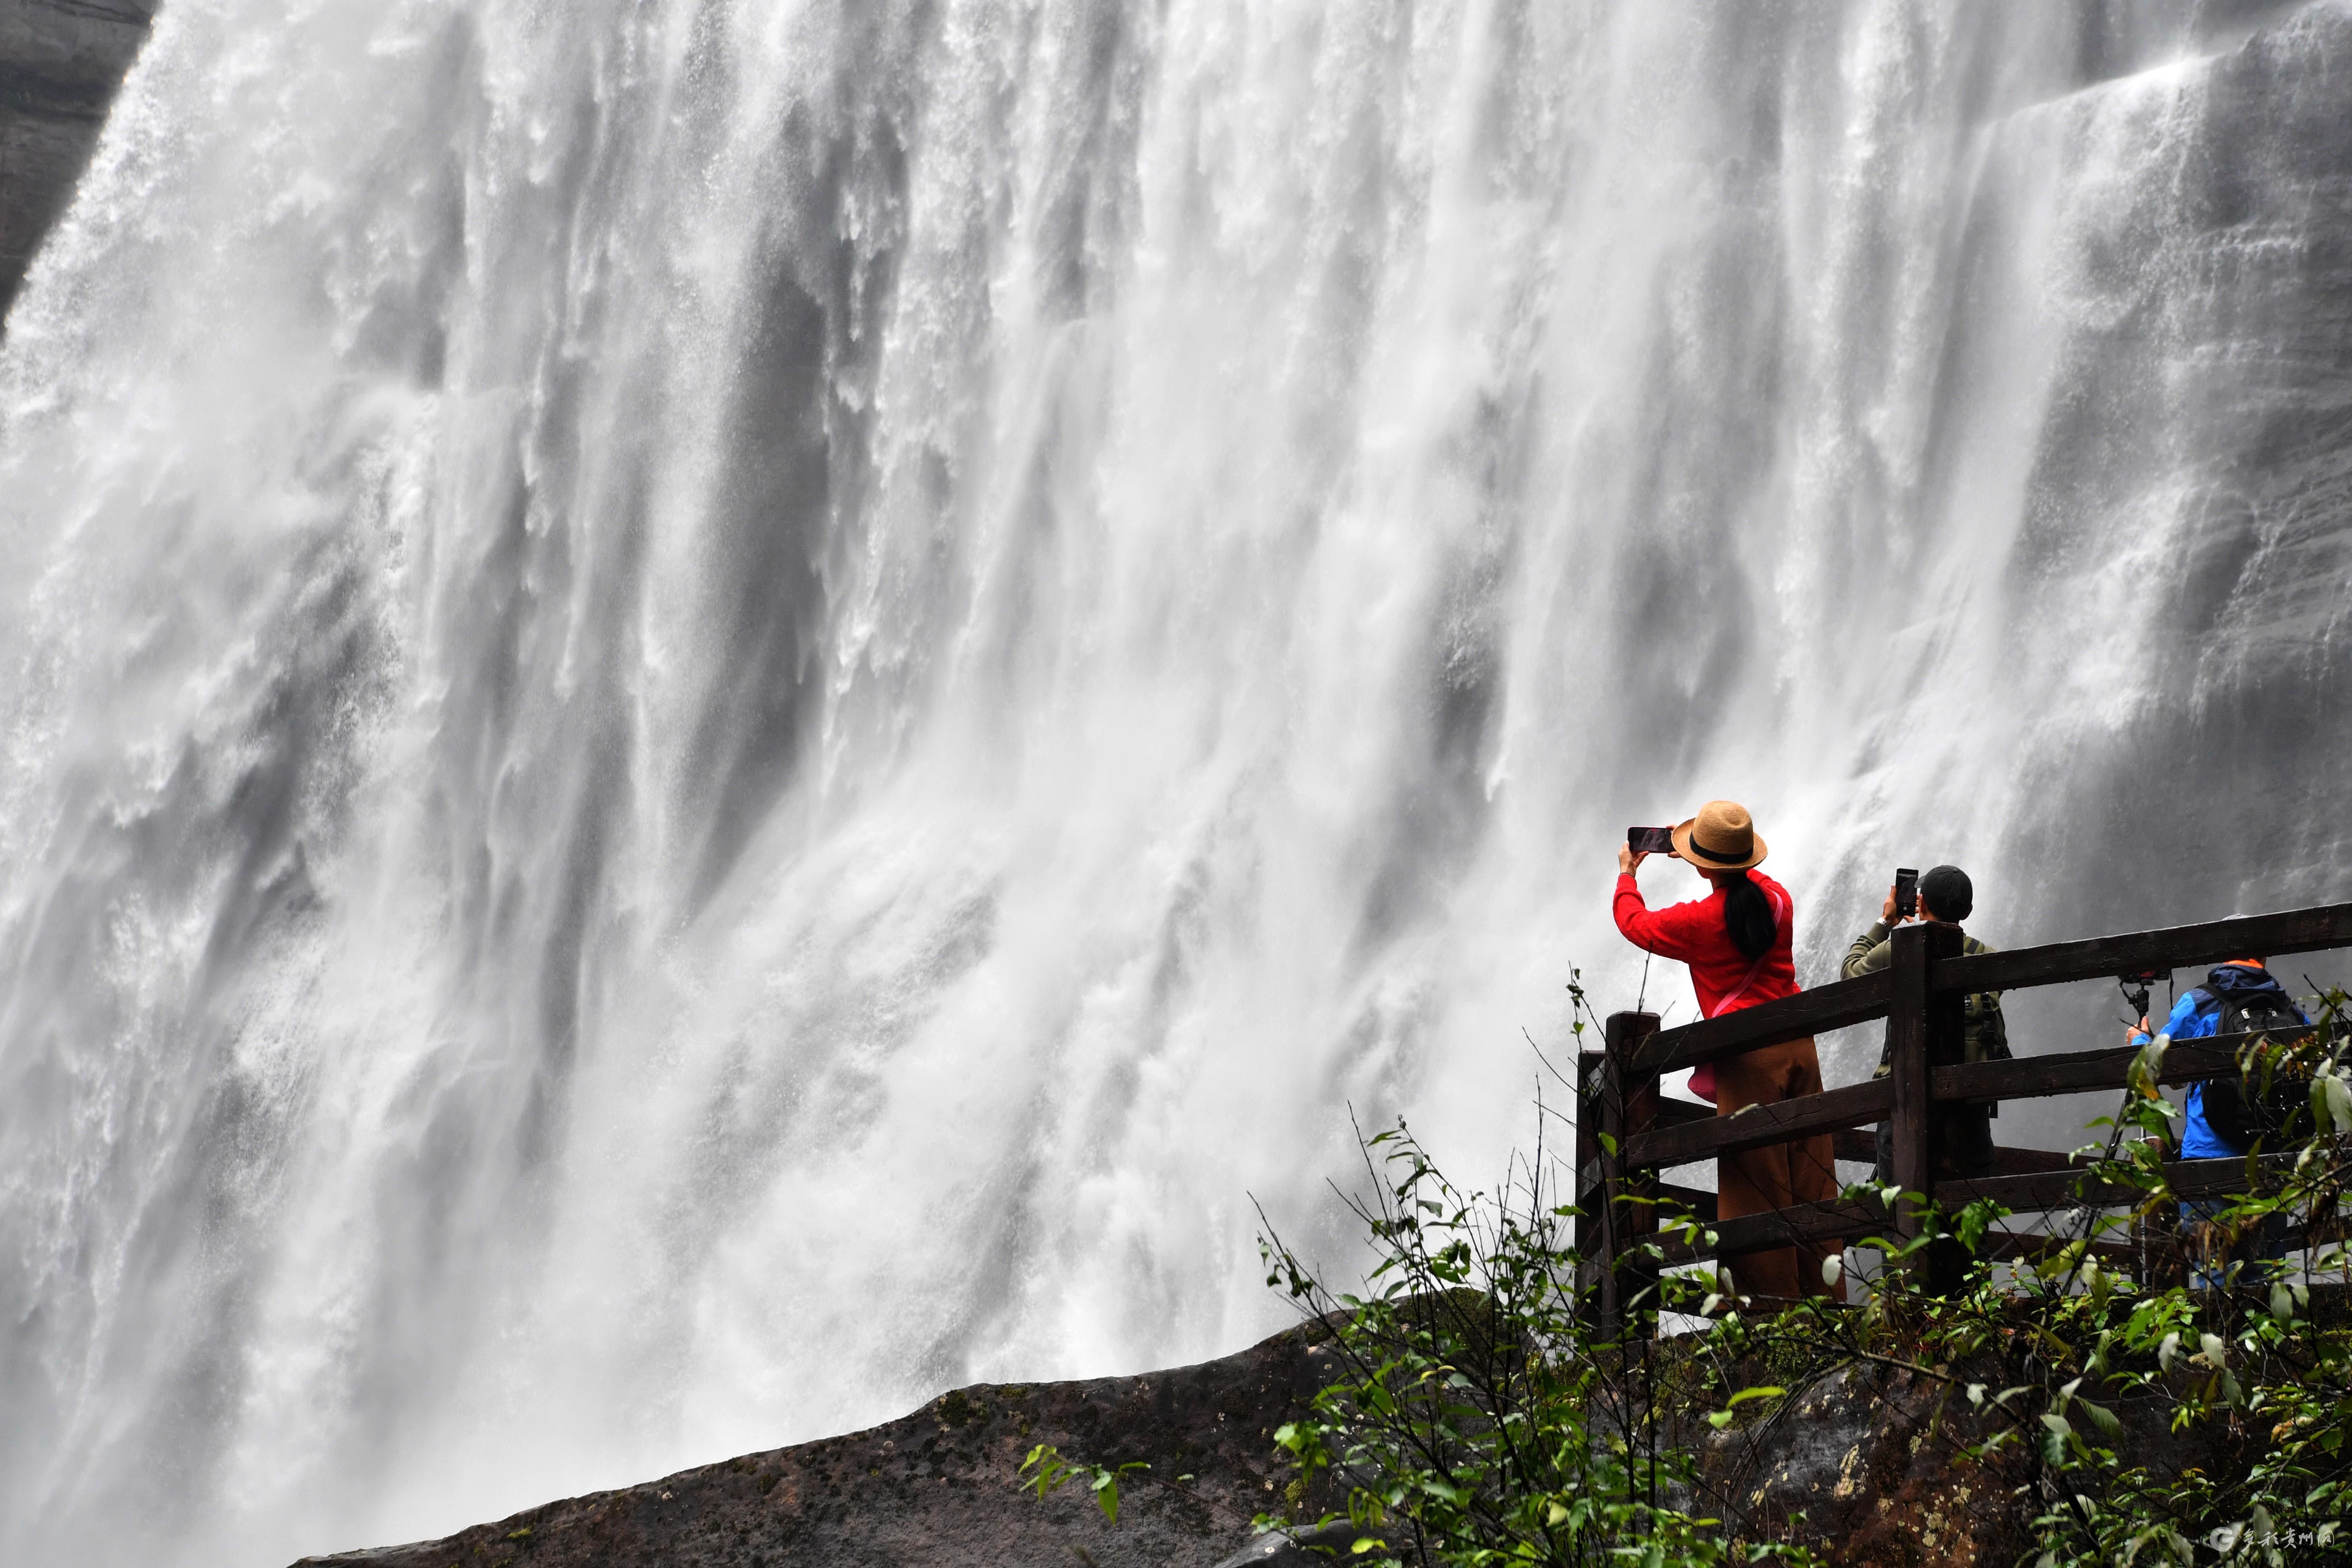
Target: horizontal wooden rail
{"type": "Point", "coordinates": [1780, 1121]}
{"type": "Point", "coordinates": [2338, 1229]}
{"type": "Point", "coordinates": [2078, 1189]}
{"type": "Point", "coordinates": [1698, 1200]}
{"type": "Point", "coordinates": [1997, 1246]}
{"type": "Point", "coordinates": [1847, 1222]}
{"type": "Point", "coordinates": [2012, 1245]}
{"type": "Point", "coordinates": [1862, 1148]}
{"type": "Point", "coordinates": [2175, 947]}
{"type": "Point", "coordinates": [1825, 1007]}
{"type": "Point", "coordinates": [1838, 1220]}
{"type": "Point", "coordinates": [1669, 1113]}
{"type": "Point", "coordinates": [2076, 1072]}
{"type": "Point", "coordinates": [1689, 1133]}
{"type": "Point", "coordinates": [1685, 1132]}
{"type": "Point", "coordinates": [1844, 1220]}
{"type": "Point", "coordinates": [2009, 1162]}
{"type": "Point", "coordinates": [1841, 1221]}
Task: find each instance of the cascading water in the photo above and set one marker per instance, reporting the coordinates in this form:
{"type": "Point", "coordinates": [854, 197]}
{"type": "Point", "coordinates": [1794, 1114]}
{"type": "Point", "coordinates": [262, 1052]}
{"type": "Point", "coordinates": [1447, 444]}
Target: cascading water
{"type": "Point", "coordinates": [720, 712]}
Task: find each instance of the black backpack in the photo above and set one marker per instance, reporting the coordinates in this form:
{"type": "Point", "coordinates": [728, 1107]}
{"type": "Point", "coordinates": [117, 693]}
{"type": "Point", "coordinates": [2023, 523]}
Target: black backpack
{"type": "Point", "coordinates": [2241, 1112]}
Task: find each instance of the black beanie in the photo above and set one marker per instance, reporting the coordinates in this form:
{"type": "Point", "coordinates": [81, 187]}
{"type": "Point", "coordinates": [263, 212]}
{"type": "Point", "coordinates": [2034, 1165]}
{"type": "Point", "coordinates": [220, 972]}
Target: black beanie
{"type": "Point", "coordinates": [1946, 890]}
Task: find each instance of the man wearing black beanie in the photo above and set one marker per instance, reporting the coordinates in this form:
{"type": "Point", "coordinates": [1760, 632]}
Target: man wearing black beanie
{"type": "Point", "coordinates": [1945, 894]}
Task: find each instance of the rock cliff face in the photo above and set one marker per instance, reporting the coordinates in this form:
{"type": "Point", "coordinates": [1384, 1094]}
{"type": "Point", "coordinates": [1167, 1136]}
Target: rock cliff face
{"type": "Point", "coordinates": [939, 1487]}
{"type": "Point", "coordinates": [1865, 1465]}
{"type": "Point", "coordinates": [60, 61]}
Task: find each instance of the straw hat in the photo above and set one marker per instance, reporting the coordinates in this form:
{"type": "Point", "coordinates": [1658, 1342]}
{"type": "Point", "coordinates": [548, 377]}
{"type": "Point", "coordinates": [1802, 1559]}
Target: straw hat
{"type": "Point", "coordinates": [1721, 838]}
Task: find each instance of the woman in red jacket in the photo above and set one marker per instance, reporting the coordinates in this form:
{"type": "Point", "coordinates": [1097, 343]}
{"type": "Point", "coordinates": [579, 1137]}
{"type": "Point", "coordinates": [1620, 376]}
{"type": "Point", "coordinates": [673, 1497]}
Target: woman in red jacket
{"type": "Point", "coordinates": [1739, 942]}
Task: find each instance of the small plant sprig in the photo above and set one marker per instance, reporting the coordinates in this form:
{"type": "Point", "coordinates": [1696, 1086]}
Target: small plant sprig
{"type": "Point", "coordinates": [1045, 1472]}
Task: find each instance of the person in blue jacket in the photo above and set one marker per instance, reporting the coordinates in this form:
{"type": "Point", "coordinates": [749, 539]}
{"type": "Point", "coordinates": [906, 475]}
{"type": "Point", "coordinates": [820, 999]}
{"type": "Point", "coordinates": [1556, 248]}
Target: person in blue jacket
{"type": "Point", "coordinates": [2195, 1016]}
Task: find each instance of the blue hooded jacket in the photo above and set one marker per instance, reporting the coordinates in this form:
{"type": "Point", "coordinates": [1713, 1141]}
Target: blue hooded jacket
{"type": "Point", "coordinates": [2196, 1014]}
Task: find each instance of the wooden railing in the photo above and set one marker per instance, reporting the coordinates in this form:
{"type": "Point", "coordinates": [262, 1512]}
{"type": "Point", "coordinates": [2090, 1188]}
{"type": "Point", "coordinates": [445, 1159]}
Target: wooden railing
{"type": "Point", "coordinates": [1626, 1132]}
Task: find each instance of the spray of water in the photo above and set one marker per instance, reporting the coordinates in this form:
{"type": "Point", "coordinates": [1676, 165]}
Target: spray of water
{"type": "Point", "coordinates": [718, 712]}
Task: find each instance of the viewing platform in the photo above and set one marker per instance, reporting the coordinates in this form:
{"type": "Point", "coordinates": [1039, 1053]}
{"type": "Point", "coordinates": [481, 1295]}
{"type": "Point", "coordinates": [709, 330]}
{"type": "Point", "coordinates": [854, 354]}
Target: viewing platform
{"type": "Point", "coordinates": [1628, 1132]}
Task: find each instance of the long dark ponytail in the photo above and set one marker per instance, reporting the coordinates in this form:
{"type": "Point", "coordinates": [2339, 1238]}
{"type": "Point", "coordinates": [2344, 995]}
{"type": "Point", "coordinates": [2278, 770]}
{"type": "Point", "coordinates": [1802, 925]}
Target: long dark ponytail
{"type": "Point", "coordinates": [1747, 917]}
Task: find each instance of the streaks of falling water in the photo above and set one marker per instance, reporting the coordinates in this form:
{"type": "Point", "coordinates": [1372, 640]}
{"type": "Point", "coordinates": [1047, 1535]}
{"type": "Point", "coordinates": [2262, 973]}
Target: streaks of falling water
{"type": "Point", "coordinates": [720, 713]}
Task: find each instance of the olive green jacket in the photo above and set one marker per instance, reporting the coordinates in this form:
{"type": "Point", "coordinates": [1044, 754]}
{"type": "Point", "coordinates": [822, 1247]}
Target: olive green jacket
{"type": "Point", "coordinates": [1987, 1035]}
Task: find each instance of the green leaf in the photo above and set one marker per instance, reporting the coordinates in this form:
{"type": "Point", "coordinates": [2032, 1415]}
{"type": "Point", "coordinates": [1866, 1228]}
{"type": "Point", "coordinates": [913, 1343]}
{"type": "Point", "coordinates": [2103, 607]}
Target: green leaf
{"type": "Point", "coordinates": [1976, 1219]}
{"type": "Point", "coordinates": [1051, 1469]}
{"type": "Point", "coordinates": [1722, 1417]}
{"type": "Point", "coordinates": [2338, 1096]}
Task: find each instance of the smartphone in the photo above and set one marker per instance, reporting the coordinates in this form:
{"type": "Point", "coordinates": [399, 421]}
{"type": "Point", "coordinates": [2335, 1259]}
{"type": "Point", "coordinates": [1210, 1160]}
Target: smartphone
{"type": "Point", "coordinates": [1650, 840]}
{"type": "Point", "coordinates": [1907, 893]}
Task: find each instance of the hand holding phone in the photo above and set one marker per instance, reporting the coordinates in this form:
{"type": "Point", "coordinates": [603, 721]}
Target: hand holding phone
{"type": "Point", "coordinates": [1907, 893]}
{"type": "Point", "coordinates": [1650, 840]}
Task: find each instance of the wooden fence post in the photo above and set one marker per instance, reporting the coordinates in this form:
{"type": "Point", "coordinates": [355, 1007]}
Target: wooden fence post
{"type": "Point", "coordinates": [1592, 1189]}
{"type": "Point", "coordinates": [1629, 1107]}
{"type": "Point", "coordinates": [1588, 1196]}
{"type": "Point", "coordinates": [1925, 1030]}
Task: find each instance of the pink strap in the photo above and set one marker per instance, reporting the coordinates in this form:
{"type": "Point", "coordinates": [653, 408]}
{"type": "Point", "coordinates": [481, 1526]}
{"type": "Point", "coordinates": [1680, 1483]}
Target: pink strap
{"type": "Point", "coordinates": [1779, 913]}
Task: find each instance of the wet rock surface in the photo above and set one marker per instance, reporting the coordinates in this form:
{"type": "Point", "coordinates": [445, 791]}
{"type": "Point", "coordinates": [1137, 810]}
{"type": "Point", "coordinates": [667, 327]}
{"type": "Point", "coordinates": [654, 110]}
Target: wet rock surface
{"type": "Point", "coordinates": [60, 62]}
{"type": "Point", "coordinates": [1870, 1466]}
{"type": "Point", "coordinates": [1867, 1465]}
{"type": "Point", "coordinates": [940, 1486]}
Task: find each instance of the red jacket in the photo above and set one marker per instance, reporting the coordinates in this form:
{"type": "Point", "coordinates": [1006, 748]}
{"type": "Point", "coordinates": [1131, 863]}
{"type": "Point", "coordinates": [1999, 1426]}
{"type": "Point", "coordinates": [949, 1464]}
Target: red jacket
{"type": "Point", "coordinates": [1725, 979]}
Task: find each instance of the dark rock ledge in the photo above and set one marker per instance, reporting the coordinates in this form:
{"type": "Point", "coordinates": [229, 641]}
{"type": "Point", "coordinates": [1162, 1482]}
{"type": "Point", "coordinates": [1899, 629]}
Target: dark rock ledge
{"type": "Point", "coordinates": [1863, 1464]}
{"type": "Point", "coordinates": [939, 1487]}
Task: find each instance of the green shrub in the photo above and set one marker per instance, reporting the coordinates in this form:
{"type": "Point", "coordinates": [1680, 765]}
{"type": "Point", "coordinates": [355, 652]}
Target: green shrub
{"type": "Point", "coordinates": [1481, 1420]}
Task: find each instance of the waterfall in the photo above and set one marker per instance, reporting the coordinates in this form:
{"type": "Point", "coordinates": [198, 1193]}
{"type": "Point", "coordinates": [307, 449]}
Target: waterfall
{"type": "Point", "coordinates": [721, 711]}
